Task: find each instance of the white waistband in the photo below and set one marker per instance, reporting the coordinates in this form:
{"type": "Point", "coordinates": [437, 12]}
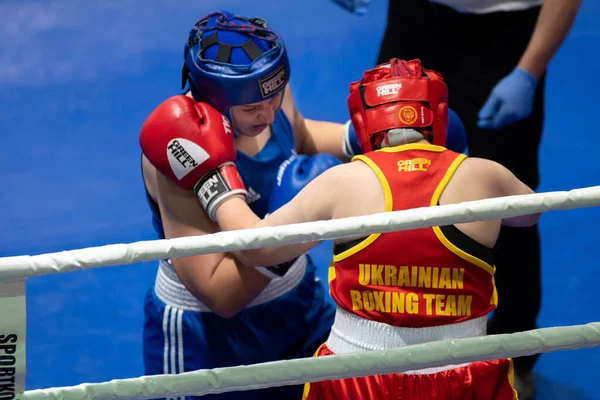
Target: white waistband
{"type": "Point", "coordinates": [351, 334]}
{"type": "Point", "coordinates": [172, 292]}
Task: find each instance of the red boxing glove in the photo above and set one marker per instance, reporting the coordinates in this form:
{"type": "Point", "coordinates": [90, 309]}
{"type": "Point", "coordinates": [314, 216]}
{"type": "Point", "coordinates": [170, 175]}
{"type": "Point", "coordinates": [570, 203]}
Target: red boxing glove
{"type": "Point", "coordinates": [192, 144]}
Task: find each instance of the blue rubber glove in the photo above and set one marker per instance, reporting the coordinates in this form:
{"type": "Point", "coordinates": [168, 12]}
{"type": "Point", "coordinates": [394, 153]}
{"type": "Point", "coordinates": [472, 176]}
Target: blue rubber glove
{"type": "Point", "coordinates": [510, 101]}
{"type": "Point", "coordinates": [294, 175]}
{"type": "Point", "coordinates": [457, 134]}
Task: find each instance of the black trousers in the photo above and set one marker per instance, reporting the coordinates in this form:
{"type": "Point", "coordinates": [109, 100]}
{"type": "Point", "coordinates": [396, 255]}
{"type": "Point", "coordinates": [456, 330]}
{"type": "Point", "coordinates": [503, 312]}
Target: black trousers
{"type": "Point", "coordinates": [473, 53]}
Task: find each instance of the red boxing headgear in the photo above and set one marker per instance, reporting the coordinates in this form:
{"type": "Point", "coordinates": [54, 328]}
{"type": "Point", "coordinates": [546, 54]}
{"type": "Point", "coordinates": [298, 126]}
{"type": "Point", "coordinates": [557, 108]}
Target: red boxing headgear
{"type": "Point", "coordinates": [398, 94]}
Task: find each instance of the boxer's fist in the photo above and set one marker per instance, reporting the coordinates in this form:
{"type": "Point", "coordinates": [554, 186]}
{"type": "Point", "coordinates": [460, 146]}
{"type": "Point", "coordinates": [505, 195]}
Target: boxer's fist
{"type": "Point", "coordinates": [192, 144]}
{"type": "Point", "coordinates": [297, 173]}
{"type": "Point", "coordinates": [292, 177]}
{"type": "Point", "coordinates": [457, 135]}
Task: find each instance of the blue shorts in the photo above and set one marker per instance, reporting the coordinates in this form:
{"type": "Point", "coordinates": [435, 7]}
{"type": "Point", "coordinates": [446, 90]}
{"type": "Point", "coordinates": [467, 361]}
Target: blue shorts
{"type": "Point", "coordinates": [293, 325]}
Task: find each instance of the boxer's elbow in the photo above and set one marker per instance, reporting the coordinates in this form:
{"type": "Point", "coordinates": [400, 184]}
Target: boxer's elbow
{"type": "Point", "coordinates": [257, 257]}
{"type": "Point", "coordinates": [221, 302]}
{"type": "Point", "coordinates": [232, 290]}
{"type": "Point", "coordinates": [226, 310]}
{"type": "Point", "coordinates": [248, 258]}
{"type": "Point", "coordinates": [217, 283]}
{"type": "Point", "coordinates": [522, 221]}
{"type": "Point", "coordinates": [215, 300]}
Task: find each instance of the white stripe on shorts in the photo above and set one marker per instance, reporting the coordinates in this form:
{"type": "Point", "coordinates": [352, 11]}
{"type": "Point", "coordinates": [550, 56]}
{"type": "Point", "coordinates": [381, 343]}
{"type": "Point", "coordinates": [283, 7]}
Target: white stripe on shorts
{"type": "Point", "coordinates": [166, 336]}
{"type": "Point", "coordinates": [173, 356]}
{"type": "Point", "coordinates": [172, 341]}
{"type": "Point", "coordinates": [180, 344]}
{"type": "Point", "coordinates": [180, 341]}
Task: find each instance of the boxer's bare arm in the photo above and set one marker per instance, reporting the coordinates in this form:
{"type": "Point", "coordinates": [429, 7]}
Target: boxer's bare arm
{"type": "Point", "coordinates": [343, 191]}
{"type": "Point", "coordinates": [505, 183]}
{"type": "Point", "coordinates": [497, 181]}
{"type": "Point", "coordinates": [478, 179]}
{"type": "Point", "coordinates": [217, 280]}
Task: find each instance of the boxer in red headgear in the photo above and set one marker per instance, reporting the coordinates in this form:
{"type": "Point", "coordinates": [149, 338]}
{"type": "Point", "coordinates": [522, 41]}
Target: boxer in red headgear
{"type": "Point", "coordinates": [401, 288]}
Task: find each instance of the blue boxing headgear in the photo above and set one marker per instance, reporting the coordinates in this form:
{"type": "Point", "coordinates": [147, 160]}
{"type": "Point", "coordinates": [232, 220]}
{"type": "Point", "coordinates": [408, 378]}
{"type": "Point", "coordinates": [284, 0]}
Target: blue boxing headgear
{"type": "Point", "coordinates": [232, 60]}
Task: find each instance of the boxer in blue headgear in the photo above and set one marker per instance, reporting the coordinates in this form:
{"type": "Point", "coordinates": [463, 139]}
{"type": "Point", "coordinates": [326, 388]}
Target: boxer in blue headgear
{"type": "Point", "coordinates": [232, 61]}
{"type": "Point", "coordinates": [209, 311]}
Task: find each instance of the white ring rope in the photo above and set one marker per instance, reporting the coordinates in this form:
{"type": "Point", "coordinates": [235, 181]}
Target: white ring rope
{"type": "Point", "coordinates": [21, 267]}
{"type": "Point", "coordinates": [299, 371]}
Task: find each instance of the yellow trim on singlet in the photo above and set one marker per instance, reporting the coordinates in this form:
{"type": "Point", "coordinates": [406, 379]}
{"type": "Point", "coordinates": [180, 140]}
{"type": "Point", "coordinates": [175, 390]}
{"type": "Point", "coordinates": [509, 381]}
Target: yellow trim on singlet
{"type": "Point", "coordinates": [331, 269]}
{"type": "Point", "coordinates": [447, 176]}
{"type": "Point", "coordinates": [387, 192]}
{"type": "Point", "coordinates": [511, 379]}
{"type": "Point", "coordinates": [331, 274]}
{"type": "Point", "coordinates": [306, 390]}
{"type": "Point", "coordinates": [494, 298]}
{"type": "Point", "coordinates": [449, 245]}
{"type": "Point", "coordinates": [412, 146]}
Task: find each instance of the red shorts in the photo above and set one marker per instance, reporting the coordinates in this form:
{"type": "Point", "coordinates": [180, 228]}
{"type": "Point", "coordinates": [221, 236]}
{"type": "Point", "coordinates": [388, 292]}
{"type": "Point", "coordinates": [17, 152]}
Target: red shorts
{"type": "Point", "coordinates": [489, 380]}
